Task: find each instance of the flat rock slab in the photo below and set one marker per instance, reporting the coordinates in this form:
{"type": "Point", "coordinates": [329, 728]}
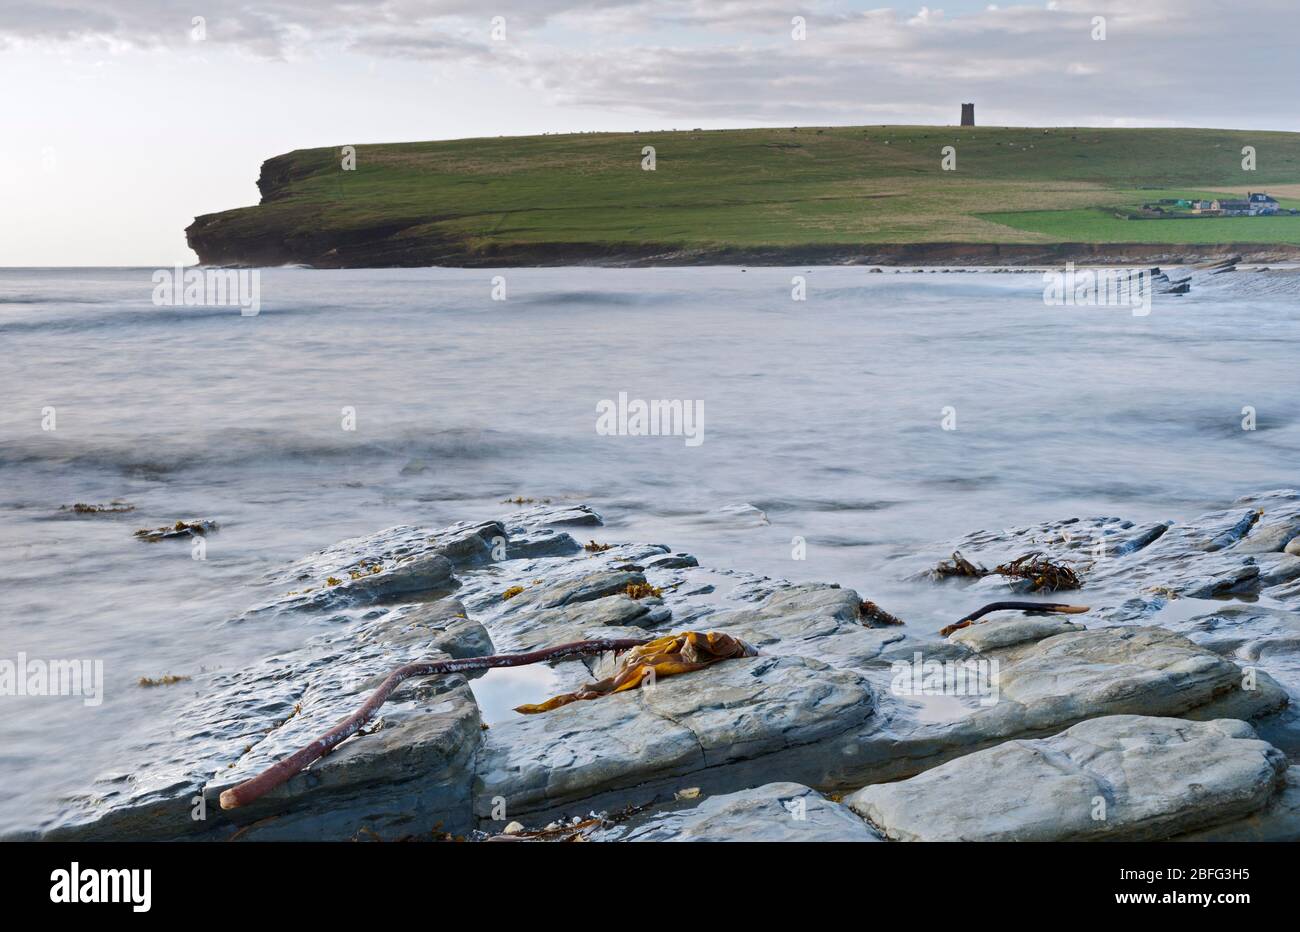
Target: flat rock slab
{"type": "Point", "coordinates": [573, 591]}
{"type": "Point", "coordinates": [1124, 777]}
{"type": "Point", "coordinates": [1111, 670]}
{"type": "Point", "coordinates": [1043, 687]}
{"type": "Point", "coordinates": [775, 812]}
{"type": "Point", "coordinates": [546, 627]}
{"type": "Point", "coordinates": [240, 721]}
{"type": "Point", "coordinates": [811, 620]}
{"type": "Point", "coordinates": [732, 711]}
{"type": "Point", "coordinates": [407, 774]}
{"type": "Point", "coordinates": [1007, 632]}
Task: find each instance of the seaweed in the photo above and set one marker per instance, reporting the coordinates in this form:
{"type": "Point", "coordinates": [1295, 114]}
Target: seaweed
{"type": "Point", "coordinates": [167, 680]}
{"type": "Point", "coordinates": [115, 507]}
{"type": "Point", "coordinates": [593, 547]}
{"type": "Point", "coordinates": [179, 529]}
{"type": "Point", "coordinates": [669, 655]}
{"type": "Point", "coordinates": [639, 590]}
{"type": "Point", "coordinates": [958, 566]}
{"type": "Point", "coordinates": [876, 616]}
{"type": "Point", "coordinates": [511, 593]}
{"type": "Point", "coordinates": [1041, 574]}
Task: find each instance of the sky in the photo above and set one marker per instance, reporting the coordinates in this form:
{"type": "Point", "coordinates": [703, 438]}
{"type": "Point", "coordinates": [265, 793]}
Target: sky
{"type": "Point", "coordinates": [122, 120]}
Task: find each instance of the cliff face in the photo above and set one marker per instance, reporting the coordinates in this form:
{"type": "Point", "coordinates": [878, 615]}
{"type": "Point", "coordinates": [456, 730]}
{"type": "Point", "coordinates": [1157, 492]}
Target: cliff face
{"type": "Point", "coordinates": [226, 239]}
{"type": "Point", "coordinates": [385, 247]}
{"type": "Point", "coordinates": [866, 195]}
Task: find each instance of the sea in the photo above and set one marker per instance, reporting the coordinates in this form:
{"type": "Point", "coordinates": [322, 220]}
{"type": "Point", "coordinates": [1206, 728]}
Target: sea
{"type": "Point", "coordinates": [806, 423]}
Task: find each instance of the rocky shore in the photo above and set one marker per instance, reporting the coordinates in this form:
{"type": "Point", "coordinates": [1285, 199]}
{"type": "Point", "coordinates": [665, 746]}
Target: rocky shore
{"type": "Point", "coordinates": [1162, 712]}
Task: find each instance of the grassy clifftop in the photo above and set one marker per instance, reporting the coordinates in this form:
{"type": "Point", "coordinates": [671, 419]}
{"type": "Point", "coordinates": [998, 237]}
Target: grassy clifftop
{"type": "Point", "coordinates": [793, 193]}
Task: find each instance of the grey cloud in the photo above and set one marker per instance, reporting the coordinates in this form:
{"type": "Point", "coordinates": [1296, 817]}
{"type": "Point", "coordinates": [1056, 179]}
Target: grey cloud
{"type": "Point", "coordinates": [1163, 61]}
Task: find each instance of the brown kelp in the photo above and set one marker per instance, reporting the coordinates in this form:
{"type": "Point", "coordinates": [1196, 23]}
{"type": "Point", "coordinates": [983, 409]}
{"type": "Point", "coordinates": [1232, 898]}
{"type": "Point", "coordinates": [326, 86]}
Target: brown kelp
{"type": "Point", "coordinates": [665, 656]}
{"type": "Point", "coordinates": [875, 616]}
{"type": "Point", "coordinates": [1041, 574]}
{"type": "Point", "coordinates": [958, 566]}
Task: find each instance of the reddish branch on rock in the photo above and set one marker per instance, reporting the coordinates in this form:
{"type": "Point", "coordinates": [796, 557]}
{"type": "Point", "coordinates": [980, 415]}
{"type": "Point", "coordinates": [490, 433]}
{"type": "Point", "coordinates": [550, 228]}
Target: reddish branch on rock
{"type": "Point", "coordinates": [282, 770]}
{"type": "Point", "coordinates": [1032, 607]}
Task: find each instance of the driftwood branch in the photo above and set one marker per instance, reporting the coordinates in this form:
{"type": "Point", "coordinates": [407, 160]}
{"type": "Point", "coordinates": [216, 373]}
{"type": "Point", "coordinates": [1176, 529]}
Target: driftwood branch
{"type": "Point", "coordinates": [282, 770]}
{"type": "Point", "coordinates": [1031, 607]}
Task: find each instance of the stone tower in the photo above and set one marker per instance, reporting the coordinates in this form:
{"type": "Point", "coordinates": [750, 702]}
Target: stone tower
{"type": "Point", "coordinates": [967, 114]}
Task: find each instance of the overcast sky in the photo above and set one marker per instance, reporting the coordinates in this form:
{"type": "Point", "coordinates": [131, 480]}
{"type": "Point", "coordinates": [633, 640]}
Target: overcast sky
{"type": "Point", "coordinates": [121, 119]}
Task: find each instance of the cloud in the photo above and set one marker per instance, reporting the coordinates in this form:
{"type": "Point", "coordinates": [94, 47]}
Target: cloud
{"type": "Point", "coordinates": [1162, 61]}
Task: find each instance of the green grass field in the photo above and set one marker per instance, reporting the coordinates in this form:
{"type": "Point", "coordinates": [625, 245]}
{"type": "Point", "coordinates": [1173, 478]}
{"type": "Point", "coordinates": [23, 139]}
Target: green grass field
{"type": "Point", "coordinates": [769, 188]}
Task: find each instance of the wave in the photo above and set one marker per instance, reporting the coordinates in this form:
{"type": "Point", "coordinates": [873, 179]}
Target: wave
{"type": "Point", "coordinates": [126, 316]}
{"type": "Point", "coordinates": [158, 457]}
{"type": "Point", "coordinates": [619, 298]}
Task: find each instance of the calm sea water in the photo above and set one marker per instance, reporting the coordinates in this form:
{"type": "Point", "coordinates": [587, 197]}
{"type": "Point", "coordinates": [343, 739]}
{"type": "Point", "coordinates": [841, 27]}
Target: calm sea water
{"type": "Point", "coordinates": [825, 415]}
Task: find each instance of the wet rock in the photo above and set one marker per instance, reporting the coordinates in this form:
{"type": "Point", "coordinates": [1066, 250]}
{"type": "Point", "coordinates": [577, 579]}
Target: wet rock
{"type": "Point", "coordinates": [816, 706]}
{"type": "Point", "coordinates": [1270, 536]}
{"type": "Point", "coordinates": [727, 713]}
{"type": "Point", "coordinates": [672, 561]}
{"type": "Point", "coordinates": [572, 591]}
{"type": "Point", "coordinates": [1008, 632]}
{"type": "Point", "coordinates": [240, 721]}
{"type": "Point", "coordinates": [1278, 820]}
{"type": "Point", "coordinates": [1252, 635]}
{"type": "Point", "coordinates": [1118, 778]}
{"type": "Point", "coordinates": [554, 516]}
{"type": "Point", "coordinates": [396, 564]}
{"type": "Point", "coordinates": [1293, 547]}
{"type": "Point", "coordinates": [199, 528]}
{"type": "Point", "coordinates": [581, 621]}
{"type": "Point", "coordinates": [409, 771]}
{"type": "Point", "coordinates": [422, 573]}
{"type": "Point", "coordinates": [439, 626]}
{"type": "Point", "coordinates": [773, 812]}
{"type": "Point", "coordinates": [1039, 688]}
{"type": "Point", "coordinates": [541, 542]}
{"type": "Point", "coordinates": [1210, 556]}
{"type": "Point", "coordinates": [814, 620]}
{"type": "Point", "coordinates": [468, 544]}
{"type": "Point", "coordinates": [1277, 569]}
{"type": "Point", "coordinates": [1108, 671]}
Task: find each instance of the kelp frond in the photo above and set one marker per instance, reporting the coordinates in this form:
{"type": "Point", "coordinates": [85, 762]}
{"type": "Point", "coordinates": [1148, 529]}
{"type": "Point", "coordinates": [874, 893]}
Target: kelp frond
{"type": "Point", "coordinates": [1041, 574]}
{"type": "Point", "coordinates": [958, 566]}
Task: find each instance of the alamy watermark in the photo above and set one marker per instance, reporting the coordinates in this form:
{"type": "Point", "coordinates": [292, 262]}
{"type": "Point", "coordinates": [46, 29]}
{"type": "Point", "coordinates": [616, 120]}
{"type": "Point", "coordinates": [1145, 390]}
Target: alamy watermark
{"type": "Point", "coordinates": [34, 677]}
{"type": "Point", "coordinates": [972, 676]}
{"type": "Point", "coordinates": [77, 884]}
{"type": "Point", "coordinates": [655, 418]}
{"type": "Point", "coordinates": [1130, 288]}
{"type": "Point", "coordinates": [182, 287]}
